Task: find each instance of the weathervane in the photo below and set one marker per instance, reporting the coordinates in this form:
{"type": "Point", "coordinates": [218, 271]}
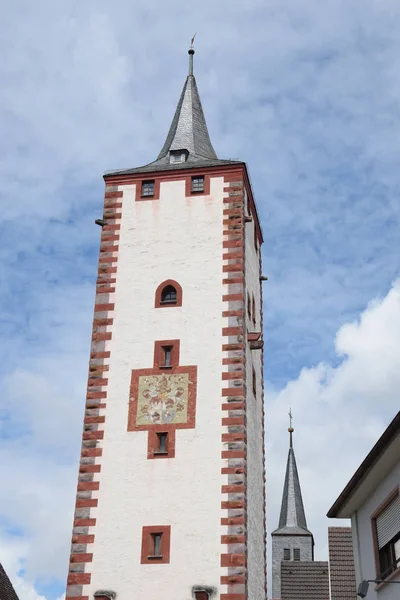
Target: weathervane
{"type": "Point", "coordinates": [192, 41]}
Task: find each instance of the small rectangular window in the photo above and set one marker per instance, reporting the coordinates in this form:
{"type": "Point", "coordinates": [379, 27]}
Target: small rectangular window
{"type": "Point", "coordinates": [296, 553]}
{"type": "Point", "coordinates": [198, 184]}
{"type": "Point", "coordinates": [166, 357]}
{"type": "Point", "coordinates": [148, 188]}
{"type": "Point", "coordinates": [162, 443]}
{"type": "Point", "coordinates": [286, 554]}
{"type": "Point", "coordinates": [156, 545]}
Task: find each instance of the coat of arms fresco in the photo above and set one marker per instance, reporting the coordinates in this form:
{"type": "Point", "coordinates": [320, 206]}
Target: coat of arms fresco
{"type": "Point", "coordinates": [162, 399]}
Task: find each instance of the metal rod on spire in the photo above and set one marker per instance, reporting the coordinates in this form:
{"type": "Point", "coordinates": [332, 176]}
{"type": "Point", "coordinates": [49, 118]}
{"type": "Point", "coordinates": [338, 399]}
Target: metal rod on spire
{"type": "Point", "coordinates": [191, 52]}
{"type": "Point", "coordinates": [290, 429]}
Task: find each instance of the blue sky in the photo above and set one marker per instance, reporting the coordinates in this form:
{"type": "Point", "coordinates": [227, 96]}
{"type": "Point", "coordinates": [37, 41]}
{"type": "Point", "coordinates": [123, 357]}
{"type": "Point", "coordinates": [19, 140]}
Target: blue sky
{"type": "Point", "coordinates": [307, 93]}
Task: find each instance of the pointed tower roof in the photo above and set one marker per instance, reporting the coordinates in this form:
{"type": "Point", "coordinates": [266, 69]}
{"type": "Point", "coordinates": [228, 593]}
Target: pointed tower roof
{"type": "Point", "coordinates": [188, 129]}
{"type": "Point", "coordinates": [188, 142]}
{"type": "Point", "coordinates": [292, 520]}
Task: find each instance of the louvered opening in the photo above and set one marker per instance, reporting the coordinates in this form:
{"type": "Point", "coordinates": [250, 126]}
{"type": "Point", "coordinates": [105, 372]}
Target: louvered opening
{"type": "Point", "coordinates": [388, 523]}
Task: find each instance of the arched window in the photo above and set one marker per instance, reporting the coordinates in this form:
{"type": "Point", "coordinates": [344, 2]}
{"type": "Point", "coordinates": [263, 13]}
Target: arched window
{"type": "Point", "coordinates": [168, 293]}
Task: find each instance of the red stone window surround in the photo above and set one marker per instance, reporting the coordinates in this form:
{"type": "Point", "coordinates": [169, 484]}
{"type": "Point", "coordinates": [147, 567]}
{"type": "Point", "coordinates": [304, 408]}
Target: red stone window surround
{"type": "Point", "coordinates": [161, 444]}
{"type": "Point", "coordinates": [156, 542]}
{"type": "Point", "coordinates": [166, 354]}
{"type": "Point", "coordinates": [188, 185]}
{"type": "Point", "coordinates": [139, 187]}
{"type": "Point", "coordinates": [160, 303]}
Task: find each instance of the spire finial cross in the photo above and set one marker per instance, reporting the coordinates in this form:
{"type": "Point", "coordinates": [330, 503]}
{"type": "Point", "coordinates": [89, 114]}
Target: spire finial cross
{"type": "Point", "coordinates": [290, 418]}
{"type": "Point", "coordinates": [290, 429]}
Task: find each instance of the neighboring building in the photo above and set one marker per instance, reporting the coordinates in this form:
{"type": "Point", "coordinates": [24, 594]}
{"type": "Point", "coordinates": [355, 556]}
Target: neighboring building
{"type": "Point", "coordinates": [304, 580]}
{"type": "Point", "coordinates": [341, 564]}
{"type": "Point", "coordinates": [170, 497]}
{"type": "Point", "coordinates": [7, 591]}
{"type": "Point", "coordinates": [371, 500]}
{"type": "Point", "coordinates": [292, 541]}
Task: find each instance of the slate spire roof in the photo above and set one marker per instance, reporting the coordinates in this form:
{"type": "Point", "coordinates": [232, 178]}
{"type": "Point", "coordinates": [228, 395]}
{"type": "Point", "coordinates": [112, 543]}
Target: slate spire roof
{"type": "Point", "coordinates": [188, 129]}
{"type": "Point", "coordinates": [292, 520]}
{"type": "Point", "coordinates": [7, 591]}
{"type": "Point", "coordinates": [188, 132]}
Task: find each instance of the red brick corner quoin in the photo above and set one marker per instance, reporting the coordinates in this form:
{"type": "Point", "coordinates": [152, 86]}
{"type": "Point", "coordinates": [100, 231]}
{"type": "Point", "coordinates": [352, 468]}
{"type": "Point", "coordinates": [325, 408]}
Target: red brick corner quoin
{"type": "Point", "coordinates": [84, 525]}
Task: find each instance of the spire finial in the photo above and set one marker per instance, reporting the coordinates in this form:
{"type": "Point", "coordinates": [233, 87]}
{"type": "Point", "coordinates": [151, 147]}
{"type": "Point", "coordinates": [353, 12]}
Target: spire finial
{"type": "Point", "coordinates": [290, 429]}
{"type": "Point", "coordinates": [191, 52]}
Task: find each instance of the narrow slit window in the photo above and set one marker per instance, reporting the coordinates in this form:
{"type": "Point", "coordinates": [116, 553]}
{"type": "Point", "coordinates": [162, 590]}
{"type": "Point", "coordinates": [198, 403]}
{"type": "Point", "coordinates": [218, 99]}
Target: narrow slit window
{"type": "Point", "coordinates": [286, 554]}
{"type": "Point", "coordinates": [253, 305]}
{"type": "Point", "coordinates": [156, 545]}
{"type": "Point", "coordinates": [254, 382]}
{"type": "Point", "coordinates": [248, 306]}
{"type": "Point", "coordinates": [162, 441]}
{"type": "Point", "coordinates": [168, 295]}
{"type": "Point", "coordinates": [296, 554]}
{"type": "Point", "coordinates": [198, 184]}
{"type": "Point", "coordinates": [148, 188]}
{"type": "Point", "coordinates": [167, 356]}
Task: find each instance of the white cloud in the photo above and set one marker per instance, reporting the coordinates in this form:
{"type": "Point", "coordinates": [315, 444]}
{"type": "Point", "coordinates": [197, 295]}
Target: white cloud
{"type": "Point", "coordinates": [339, 413]}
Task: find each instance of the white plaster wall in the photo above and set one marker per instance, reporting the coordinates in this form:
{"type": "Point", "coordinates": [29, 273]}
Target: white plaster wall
{"type": "Point", "coordinates": [255, 440]}
{"type": "Point", "coordinates": [171, 238]}
{"type": "Point", "coordinates": [363, 544]}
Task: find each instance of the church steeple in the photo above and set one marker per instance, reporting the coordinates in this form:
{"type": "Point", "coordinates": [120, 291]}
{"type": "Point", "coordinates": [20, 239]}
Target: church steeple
{"type": "Point", "coordinates": [188, 132]}
{"type": "Point", "coordinates": [292, 517]}
{"type": "Point", "coordinates": [292, 540]}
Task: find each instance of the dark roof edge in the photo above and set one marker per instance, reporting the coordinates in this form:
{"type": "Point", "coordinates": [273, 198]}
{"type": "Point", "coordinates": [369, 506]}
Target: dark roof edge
{"type": "Point", "coordinates": [369, 461]}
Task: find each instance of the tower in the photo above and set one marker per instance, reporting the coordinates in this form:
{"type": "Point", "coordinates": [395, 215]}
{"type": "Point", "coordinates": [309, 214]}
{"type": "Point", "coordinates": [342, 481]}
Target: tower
{"type": "Point", "coordinates": [170, 496]}
{"type": "Point", "coordinates": [292, 541]}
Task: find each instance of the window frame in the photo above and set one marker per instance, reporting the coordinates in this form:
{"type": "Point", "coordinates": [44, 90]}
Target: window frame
{"type": "Point", "coordinates": [148, 531]}
{"type": "Point", "coordinates": [393, 496]}
{"type": "Point", "coordinates": [296, 554]}
{"type": "Point", "coordinates": [193, 186]}
{"type": "Point", "coordinates": [153, 443]}
{"type": "Point", "coordinates": [145, 182]}
{"type": "Point", "coordinates": [159, 303]}
{"type": "Point", "coordinates": [285, 551]}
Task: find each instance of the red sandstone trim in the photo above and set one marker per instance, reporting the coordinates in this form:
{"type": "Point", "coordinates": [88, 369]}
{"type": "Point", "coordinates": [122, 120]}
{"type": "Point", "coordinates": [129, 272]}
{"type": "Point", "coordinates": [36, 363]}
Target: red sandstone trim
{"type": "Point", "coordinates": [147, 557]}
{"type": "Point", "coordinates": [139, 183]}
{"type": "Point", "coordinates": [158, 302]}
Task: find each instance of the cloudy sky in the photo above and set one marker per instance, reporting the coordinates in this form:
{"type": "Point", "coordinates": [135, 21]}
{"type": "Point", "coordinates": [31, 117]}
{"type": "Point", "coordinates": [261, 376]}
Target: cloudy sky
{"type": "Point", "coordinates": [307, 93]}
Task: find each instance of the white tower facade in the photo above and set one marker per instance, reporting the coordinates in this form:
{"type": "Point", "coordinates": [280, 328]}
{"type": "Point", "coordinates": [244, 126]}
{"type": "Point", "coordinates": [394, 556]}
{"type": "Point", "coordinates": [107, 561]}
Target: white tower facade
{"type": "Point", "coordinates": [170, 495]}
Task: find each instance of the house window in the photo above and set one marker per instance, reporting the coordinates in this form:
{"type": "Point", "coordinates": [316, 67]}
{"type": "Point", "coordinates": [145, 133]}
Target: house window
{"type": "Point", "coordinates": [387, 525]}
{"type": "Point", "coordinates": [162, 441]}
{"type": "Point", "coordinates": [148, 188]}
{"type": "Point", "coordinates": [167, 355]}
{"type": "Point", "coordinates": [198, 184]}
{"type": "Point", "coordinates": [155, 544]}
{"type": "Point", "coordinates": [168, 295]}
{"type": "Point", "coordinates": [286, 554]}
{"type": "Point", "coordinates": [296, 553]}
